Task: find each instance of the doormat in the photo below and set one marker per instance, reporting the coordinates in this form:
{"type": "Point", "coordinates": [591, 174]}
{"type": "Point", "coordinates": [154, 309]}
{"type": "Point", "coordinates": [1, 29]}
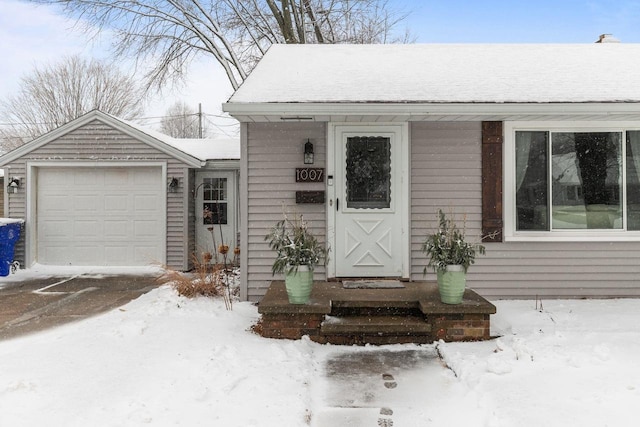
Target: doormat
{"type": "Point", "coordinates": [372, 284]}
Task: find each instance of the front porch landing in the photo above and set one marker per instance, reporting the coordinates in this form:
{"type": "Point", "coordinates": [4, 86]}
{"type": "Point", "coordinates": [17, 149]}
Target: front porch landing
{"type": "Point", "coordinates": [413, 314]}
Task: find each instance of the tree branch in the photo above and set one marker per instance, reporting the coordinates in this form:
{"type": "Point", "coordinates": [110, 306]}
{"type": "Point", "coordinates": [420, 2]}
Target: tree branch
{"type": "Point", "coordinates": [169, 34]}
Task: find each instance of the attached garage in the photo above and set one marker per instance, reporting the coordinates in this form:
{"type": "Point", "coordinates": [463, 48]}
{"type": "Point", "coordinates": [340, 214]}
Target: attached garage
{"type": "Point", "coordinates": [100, 216]}
{"type": "Point", "coordinates": [99, 191]}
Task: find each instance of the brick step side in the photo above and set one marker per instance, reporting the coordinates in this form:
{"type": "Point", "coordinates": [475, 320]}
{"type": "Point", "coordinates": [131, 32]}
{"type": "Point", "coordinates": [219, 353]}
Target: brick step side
{"type": "Point", "coordinates": [375, 325]}
{"type": "Point", "coordinates": [413, 314]}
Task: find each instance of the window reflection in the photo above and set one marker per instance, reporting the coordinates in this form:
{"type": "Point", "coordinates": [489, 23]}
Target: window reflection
{"type": "Point", "coordinates": [633, 180]}
{"type": "Point", "coordinates": [580, 185]}
{"type": "Point", "coordinates": [531, 181]}
{"type": "Point", "coordinates": [586, 186]}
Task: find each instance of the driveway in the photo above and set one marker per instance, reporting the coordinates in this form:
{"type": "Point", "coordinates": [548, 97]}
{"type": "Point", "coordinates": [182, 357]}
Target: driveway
{"type": "Point", "coordinates": [33, 304]}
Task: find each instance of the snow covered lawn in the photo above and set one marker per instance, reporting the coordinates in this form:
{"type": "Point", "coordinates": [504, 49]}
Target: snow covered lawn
{"type": "Point", "coordinates": [164, 360]}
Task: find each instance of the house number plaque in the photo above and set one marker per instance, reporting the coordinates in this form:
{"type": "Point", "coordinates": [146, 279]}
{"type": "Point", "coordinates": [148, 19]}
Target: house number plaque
{"type": "Point", "coordinates": [309, 174]}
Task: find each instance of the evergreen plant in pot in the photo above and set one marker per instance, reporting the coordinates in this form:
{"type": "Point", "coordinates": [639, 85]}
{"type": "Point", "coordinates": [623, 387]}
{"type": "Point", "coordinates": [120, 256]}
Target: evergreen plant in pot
{"type": "Point", "coordinates": [450, 256]}
{"type": "Point", "coordinates": [298, 252]}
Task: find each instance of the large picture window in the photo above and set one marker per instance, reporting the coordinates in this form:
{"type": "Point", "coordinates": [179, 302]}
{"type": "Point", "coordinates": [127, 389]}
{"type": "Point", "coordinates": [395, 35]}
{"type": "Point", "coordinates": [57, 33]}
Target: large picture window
{"type": "Point", "coordinates": [576, 180]}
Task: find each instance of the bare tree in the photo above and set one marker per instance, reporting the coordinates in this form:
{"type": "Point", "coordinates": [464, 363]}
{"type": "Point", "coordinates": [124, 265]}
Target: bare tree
{"type": "Point", "coordinates": [182, 121]}
{"type": "Point", "coordinates": [55, 94]}
{"type": "Point", "coordinates": [168, 34]}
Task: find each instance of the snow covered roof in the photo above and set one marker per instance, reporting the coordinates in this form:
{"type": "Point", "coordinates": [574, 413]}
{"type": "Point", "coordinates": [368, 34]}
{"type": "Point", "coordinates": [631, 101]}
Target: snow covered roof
{"type": "Point", "coordinates": [209, 149]}
{"type": "Point", "coordinates": [202, 149]}
{"type": "Point", "coordinates": [445, 73]}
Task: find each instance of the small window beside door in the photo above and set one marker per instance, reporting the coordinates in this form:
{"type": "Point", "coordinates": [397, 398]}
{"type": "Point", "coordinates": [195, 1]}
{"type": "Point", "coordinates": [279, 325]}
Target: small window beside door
{"type": "Point", "coordinates": [215, 201]}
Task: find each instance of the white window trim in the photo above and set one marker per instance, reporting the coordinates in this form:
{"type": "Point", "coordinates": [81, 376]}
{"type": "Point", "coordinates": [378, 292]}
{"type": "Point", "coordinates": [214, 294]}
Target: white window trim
{"type": "Point", "coordinates": [509, 173]}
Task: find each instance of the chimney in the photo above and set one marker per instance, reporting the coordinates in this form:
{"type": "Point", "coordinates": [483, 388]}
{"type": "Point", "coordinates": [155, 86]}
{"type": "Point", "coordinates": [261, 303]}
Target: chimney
{"type": "Point", "coordinates": [607, 38]}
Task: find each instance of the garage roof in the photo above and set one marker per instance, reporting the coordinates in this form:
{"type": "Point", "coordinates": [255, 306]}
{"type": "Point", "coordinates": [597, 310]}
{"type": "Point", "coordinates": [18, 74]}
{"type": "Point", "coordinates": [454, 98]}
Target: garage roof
{"type": "Point", "coordinates": [189, 151]}
{"type": "Point", "coordinates": [203, 149]}
{"type": "Point", "coordinates": [209, 149]}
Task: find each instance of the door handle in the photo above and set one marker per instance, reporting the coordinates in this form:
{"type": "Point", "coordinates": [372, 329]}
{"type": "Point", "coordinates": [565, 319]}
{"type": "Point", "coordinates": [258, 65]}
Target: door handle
{"type": "Point", "coordinates": [337, 203]}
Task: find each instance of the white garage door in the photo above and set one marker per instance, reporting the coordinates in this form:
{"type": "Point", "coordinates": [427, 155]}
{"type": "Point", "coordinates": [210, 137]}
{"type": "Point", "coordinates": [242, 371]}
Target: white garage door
{"type": "Point", "coordinates": [100, 216]}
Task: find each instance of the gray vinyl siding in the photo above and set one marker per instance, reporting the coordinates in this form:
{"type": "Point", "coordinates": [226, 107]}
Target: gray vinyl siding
{"type": "Point", "coordinates": [16, 207]}
{"type": "Point", "coordinates": [274, 150]}
{"type": "Point", "coordinates": [190, 202]}
{"type": "Point", "coordinates": [98, 142]}
{"type": "Point", "coordinates": [446, 173]}
{"type": "Point", "coordinates": [2, 197]}
{"type": "Point", "coordinates": [177, 217]}
{"type": "Point", "coordinates": [559, 269]}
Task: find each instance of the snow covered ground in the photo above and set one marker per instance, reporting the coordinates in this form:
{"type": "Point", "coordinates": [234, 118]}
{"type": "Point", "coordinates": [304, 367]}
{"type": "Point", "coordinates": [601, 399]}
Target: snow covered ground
{"type": "Point", "coordinates": [164, 360]}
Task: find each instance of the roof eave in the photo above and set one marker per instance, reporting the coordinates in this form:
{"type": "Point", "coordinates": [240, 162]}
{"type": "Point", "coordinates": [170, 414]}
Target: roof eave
{"type": "Point", "coordinates": [307, 110]}
{"type": "Point", "coordinates": [229, 164]}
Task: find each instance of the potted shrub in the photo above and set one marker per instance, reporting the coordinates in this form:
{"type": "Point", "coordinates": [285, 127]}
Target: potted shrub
{"type": "Point", "coordinates": [450, 256]}
{"type": "Point", "coordinates": [298, 252]}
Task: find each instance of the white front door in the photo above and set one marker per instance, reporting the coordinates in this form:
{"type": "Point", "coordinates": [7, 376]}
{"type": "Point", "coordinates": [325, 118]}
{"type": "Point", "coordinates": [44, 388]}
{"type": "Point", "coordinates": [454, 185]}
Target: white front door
{"type": "Point", "coordinates": [371, 200]}
{"type": "Point", "coordinates": [215, 212]}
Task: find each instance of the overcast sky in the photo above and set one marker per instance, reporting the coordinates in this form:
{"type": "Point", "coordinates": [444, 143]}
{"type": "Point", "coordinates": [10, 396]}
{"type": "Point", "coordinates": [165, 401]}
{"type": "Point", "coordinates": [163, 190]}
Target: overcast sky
{"type": "Point", "coordinates": [31, 35]}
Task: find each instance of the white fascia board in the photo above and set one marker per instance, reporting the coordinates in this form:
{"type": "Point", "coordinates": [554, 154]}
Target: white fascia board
{"type": "Point", "coordinates": [221, 165]}
{"type": "Point", "coordinates": [303, 110]}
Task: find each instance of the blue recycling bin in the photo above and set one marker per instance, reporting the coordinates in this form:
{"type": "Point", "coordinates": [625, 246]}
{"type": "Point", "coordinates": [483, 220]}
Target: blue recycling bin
{"type": "Point", "coordinates": [9, 235]}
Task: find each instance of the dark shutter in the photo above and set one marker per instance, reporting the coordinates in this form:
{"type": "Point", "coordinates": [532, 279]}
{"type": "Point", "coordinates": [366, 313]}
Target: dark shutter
{"type": "Point", "coordinates": [492, 181]}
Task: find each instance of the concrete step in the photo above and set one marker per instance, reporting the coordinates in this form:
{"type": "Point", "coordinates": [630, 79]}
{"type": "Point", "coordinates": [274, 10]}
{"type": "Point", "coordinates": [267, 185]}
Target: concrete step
{"type": "Point", "coordinates": [379, 302]}
{"type": "Point", "coordinates": [375, 325]}
{"type": "Point", "coordinates": [365, 311]}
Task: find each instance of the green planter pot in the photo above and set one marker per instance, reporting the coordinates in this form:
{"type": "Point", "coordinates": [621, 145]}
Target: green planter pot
{"type": "Point", "coordinates": [299, 284]}
{"type": "Point", "coordinates": [451, 284]}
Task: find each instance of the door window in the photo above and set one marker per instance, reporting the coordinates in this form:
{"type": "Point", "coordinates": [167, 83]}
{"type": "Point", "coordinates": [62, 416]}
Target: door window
{"type": "Point", "coordinates": [368, 162]}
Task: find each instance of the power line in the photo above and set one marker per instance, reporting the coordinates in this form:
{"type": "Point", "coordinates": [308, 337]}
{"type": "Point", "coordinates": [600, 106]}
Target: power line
{"type": "Point", "coordinates": [223, 131]}
{"type": "Point", "coordinates": [217, 116]}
